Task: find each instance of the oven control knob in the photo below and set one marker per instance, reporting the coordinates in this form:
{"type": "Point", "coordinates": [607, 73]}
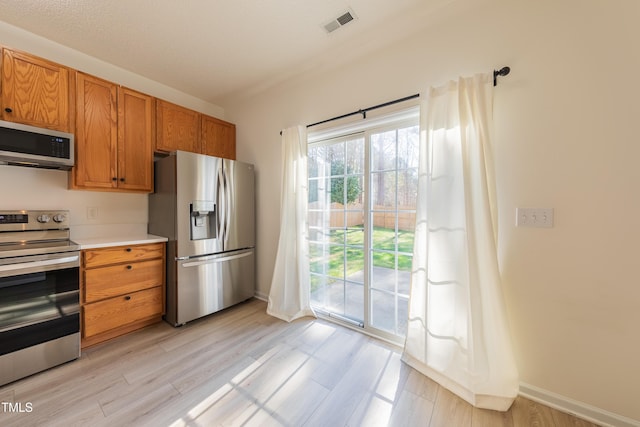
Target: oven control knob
{"type": "Point", "coordinates": [44, 218]}
{"type": "Point", "coordinates": [59, 218]}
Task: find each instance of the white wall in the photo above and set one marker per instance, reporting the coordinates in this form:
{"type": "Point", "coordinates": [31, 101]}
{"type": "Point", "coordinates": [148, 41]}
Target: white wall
{"type": "Point", "coordinates": [118, 213]}
{"type": "Point", "coordinates": [16, 38]}
{"type": "Point", "coordinates": [565, 137]}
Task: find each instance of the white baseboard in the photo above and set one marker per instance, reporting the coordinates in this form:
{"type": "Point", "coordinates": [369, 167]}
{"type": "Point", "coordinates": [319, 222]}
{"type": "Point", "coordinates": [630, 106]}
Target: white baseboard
{"type": "Point", "coordinates": [261, 296]}
{"type": "Point", "coordinates": [574, 407]}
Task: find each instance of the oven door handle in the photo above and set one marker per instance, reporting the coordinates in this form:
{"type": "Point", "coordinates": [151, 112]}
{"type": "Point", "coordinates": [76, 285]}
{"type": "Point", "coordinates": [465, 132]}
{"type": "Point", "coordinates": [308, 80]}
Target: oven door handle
{"type": "Point", "coordinates": [41, 265]}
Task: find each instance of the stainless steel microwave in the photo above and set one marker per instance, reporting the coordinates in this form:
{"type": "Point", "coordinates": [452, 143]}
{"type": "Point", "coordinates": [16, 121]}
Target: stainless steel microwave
{"type": "Point", "coordinates": [23, 145]}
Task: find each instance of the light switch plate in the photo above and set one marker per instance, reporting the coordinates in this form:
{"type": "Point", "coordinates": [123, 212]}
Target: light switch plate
{"type": "Point", "coordinates": [534, 217]}
{"type": "Point", "coordinates": [92, 212]}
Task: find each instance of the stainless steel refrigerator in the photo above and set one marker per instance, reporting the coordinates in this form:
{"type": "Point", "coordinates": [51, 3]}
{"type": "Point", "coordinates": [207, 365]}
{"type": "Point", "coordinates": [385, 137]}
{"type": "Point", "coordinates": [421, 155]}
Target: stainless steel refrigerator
{"type": "Point", "coordinates": [205, 206]}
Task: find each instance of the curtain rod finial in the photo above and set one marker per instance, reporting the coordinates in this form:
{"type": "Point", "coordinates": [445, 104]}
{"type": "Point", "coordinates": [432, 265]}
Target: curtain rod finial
{"type": "Point", "coordinates": [501, 72]}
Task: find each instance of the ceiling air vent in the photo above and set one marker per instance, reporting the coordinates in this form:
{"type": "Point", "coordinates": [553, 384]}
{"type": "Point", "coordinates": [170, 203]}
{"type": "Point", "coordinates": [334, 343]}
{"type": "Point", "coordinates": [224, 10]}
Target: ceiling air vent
{"type": "Point", "coordinates": [340, 21]}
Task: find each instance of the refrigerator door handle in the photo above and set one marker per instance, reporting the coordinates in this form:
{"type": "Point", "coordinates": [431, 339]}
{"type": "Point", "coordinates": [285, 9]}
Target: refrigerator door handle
{"type": "Point", "coordinates": [228, 192]}
{"type": "Point", "coordinates": [216, 260]}
{"type": "Point", "coordinates": [220, 196]}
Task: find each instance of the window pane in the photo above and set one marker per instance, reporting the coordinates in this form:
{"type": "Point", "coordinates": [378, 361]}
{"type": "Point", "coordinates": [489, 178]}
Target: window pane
{"type": "Point", "coordinates": [383, 151]}
{"type": "Point", "coordinates": [382, 237]}
{"type": "Point", "coordinates": [315, 160]}
{"type": "Point", "coordinates": [319, 195]}
{"type": "Point", "coordinates": [336, 293]}
{"type": "Point", "coordinates": [355, 235]}
{"type": "Point", "coordinates": [405, 240]}
{"type": "Point", "coordinates": [336, 261]}
{"type": "Point", "coordinates": [355, 264]}
{"type": "Point", "coordinates": [335, 158]}
{"type": "Point", "coordinates": [355, 191]}
{"type": "Point", "coordinates": [404, 274]}
{"type": "Point", "coordinates": [337, 192]}
{"type": "Point", "coordinates": [318, 218]}
{"type": "Point", "coordinates": [313, 193]}
{"type": "Point", "coordinates": [407, 189]}
{"type": "Point", "coordinates": [383, 190]}
{"type": "Point", "coordinates": [318, 257]}
{"type": "Point", "coordinates": [336, 236]}
{"type": "Point", "coordinates": [408, 139]}
{"type": "Point", "coordinates": [383, 259]}
{"type": "Point", "coordinates": [383, 279]}
{"type": "Point", "coordinates": [316, 234]}
{"type": "Point", "coordinates": [319, 293]}
{"type": "Point", "coordinates": [383, 310]}
{"type": "Point", "coordinates": [355, 156]}
{"type": "Point", "coordinates": [354, 301]}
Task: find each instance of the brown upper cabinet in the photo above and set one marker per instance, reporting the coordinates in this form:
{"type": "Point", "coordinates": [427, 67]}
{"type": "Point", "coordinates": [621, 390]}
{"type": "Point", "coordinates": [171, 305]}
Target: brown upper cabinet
{"type": "Point", "coordinates": [36, 92]}
{"type": "Point", "coordinates": [218, 138]}
{"type": "Point", "coordinates": [115, 129]}
{"type": "Point", "coordinates": [180, 128]}
{"type": "Point", "coordinates": [177, 128]}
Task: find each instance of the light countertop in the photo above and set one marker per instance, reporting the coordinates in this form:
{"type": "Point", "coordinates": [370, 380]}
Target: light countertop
{"type": "Point", "coordinates": [104, 242]}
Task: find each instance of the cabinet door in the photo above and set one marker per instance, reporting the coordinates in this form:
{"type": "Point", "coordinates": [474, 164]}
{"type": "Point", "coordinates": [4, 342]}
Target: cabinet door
{"type": "Point", "coordinates": [218, 138]}
{"type": "Point", "coordinates": [135, 140]}
{"type": "Point", "coordinates": [178, 128]}
{"type": "Point", "coordinates": [96, 133]}
{"type": "Point", "coordinates": [35, 91]}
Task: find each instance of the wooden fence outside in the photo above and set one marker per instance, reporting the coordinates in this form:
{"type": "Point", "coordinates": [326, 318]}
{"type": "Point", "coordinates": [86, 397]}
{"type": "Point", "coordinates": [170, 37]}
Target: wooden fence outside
{"type": "Point", "coordinates": [354, 216]}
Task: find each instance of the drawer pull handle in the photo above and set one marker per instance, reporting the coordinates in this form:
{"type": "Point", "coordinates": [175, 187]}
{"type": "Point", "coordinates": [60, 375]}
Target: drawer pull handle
{"type": "Point", "coordinates": [127, 298]}
{"type": "Point", "coordinates": [128, 249]}
{"type": "Point", "coordinates": [129, 267]}
{"type": "Point", "coordinates": [8, 110]}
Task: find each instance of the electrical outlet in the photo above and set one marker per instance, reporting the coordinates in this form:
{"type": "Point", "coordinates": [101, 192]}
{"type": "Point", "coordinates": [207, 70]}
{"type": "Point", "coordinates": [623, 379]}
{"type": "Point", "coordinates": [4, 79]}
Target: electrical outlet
{"type": "Point", "coordinates": [92, 213]}
{"type": "Point", "coordinates": [534, 217]}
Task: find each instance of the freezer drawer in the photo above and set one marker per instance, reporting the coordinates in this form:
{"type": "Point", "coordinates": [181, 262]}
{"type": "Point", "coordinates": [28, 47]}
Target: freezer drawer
{"type": "Point", "coordinates": [209, 284]}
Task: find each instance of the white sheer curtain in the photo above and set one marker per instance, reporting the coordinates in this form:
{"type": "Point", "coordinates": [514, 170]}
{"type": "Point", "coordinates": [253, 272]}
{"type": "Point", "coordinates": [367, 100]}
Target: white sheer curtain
{"type": "Point", "coordinates": [457, 332]}
{"type": "Point", "coordinates": [289, 296]}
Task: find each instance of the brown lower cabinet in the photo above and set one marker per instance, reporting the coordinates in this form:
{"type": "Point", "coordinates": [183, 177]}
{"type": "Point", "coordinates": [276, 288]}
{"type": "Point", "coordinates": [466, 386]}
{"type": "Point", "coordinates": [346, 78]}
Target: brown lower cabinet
{"type": "Point", "coordinates": [123, 289]}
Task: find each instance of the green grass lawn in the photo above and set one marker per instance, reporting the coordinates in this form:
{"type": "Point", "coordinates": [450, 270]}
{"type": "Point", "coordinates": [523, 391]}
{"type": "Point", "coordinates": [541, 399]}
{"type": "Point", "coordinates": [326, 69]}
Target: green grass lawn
{"type": "Point", "coordinates": [350, 244]}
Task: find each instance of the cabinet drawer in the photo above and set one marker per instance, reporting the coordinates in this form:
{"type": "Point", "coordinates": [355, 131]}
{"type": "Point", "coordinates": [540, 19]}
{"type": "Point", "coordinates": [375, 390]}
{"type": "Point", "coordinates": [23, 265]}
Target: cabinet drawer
{"type": "Point", "coordinates": [109, 314]}
{"type": "Point", "coordinates": [118, 254]}
{"type": "Point", "coordinates": [106, 282]}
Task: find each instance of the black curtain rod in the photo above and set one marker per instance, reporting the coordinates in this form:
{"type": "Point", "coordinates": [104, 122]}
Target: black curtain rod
{"type": "Point", "coordinates": [501, 72]}
{"type": "Point", "coordinates": [364, 111]}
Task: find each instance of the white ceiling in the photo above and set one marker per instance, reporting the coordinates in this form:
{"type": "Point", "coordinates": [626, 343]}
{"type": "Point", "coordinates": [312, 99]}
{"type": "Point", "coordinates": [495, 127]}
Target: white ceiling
{"type": "Point", "coordinates": [218, 49]}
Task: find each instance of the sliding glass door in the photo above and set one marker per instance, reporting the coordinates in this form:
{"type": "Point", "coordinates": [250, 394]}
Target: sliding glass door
{"type": "Point", "coordinates": [362, 201]}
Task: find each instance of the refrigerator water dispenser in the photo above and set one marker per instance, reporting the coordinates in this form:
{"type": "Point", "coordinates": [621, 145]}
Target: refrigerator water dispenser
{"type": "Point", "coordinates": [203, 220]}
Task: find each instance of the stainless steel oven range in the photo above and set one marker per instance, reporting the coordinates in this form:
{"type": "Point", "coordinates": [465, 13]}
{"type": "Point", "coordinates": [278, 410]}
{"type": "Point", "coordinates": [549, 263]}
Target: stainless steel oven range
{"type": "Point", "coordinates": [39, 293]}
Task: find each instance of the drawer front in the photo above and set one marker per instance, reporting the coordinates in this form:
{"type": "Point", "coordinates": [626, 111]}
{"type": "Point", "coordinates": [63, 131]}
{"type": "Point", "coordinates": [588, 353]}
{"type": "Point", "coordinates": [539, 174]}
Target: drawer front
{"type": "Point", "coordinates": [109, 314]}
{"type": "Point", "coordinates": [106, 282]}
{"type": "Point", "coordinates": [119, 254]}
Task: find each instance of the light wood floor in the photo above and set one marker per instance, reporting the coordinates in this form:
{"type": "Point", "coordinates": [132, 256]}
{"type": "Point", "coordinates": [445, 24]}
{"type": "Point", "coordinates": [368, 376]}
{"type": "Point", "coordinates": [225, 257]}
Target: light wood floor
{"type": "Point", "coordinates": [243, 367]}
